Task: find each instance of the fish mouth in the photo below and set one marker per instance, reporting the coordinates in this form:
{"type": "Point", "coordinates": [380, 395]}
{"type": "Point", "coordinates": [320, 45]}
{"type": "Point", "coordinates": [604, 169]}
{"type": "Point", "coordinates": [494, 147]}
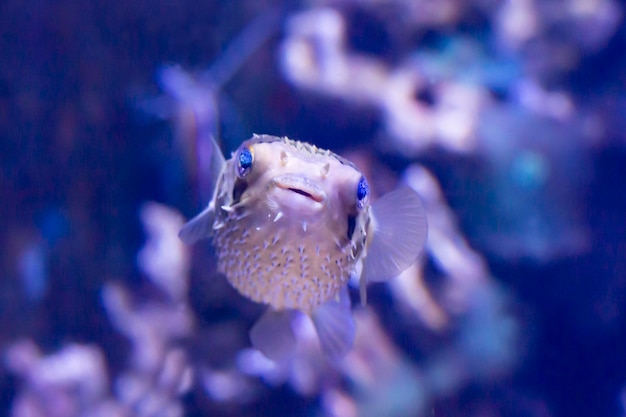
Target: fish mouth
{"type": "Point", "coordinates": [302, 186]}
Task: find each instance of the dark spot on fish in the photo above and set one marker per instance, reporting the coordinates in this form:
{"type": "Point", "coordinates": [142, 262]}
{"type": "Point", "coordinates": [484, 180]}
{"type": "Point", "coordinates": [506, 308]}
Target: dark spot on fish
{"type": "Point", "coordinates": [238, 190]}
{"type": "Point", "coordinates": [351, 226]}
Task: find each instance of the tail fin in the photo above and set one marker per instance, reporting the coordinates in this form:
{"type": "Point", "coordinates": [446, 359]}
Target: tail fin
{"type": "Point", "coordinates": [273, 336]}
{"type": "Point", "coordinates": [335, 326]}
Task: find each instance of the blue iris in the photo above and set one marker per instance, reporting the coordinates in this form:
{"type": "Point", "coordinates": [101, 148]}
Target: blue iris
{"type": "Point", "coordinates": [245, 162]}
{"type": "Point", "coordinates": [362, 192]}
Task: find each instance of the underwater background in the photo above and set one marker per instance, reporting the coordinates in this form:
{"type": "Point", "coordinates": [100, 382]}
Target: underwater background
{"type": "Point", "coordinates": [507, 117]}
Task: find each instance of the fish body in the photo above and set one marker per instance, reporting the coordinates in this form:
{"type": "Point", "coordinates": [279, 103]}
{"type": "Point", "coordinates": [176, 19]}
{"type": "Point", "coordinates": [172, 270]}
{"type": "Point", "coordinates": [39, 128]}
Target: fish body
{"type": "Point", "coordinates": [291, 224]}
{"type": "Point", "coordinates": [286, 243]}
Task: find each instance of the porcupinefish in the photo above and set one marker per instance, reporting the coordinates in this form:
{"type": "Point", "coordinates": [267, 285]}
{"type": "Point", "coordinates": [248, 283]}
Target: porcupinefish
{"type": "Point", "coordinates": [291, 225]}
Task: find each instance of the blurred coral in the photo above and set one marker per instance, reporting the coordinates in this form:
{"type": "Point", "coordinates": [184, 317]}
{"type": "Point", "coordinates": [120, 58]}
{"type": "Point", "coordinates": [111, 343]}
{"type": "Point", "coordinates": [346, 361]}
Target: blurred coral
{"type": "Point", "coordinates": [505, 116]}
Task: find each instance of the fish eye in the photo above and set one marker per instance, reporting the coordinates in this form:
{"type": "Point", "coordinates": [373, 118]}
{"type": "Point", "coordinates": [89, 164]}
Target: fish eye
{"type": "Point", "coordinates": [244, 162]}
{"type": "Point", "coordinates": [362, 193]}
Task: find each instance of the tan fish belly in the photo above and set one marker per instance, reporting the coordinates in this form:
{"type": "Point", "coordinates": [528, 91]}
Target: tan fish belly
{"type": "Point", "coordinates": [286, 270]}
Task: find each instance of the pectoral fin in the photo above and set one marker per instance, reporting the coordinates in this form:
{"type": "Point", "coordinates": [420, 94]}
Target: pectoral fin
{"type": "Point", "coordinates": [273, 335]}
{"type": "Point", "coordinates": [335, 326]}
{"type": "Point", "coordinates": [399, 230]}
{"type": "Point", "coordinates": [200, 227]}
{"type": "Point", "coordinates": [217, 164]}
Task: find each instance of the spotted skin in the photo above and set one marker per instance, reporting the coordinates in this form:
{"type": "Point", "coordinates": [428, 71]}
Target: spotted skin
{"type": "Point", "coordinates": [289, 260]}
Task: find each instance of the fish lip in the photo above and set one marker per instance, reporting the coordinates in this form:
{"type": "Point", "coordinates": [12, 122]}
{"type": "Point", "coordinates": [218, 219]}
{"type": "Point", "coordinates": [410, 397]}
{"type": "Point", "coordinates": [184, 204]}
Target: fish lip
{"type": "Point", "coordinates": [301, 185]}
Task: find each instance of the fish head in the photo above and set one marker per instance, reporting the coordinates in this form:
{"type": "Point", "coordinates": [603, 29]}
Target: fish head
{"type": "Point", "coordinates": [291, 222]}
{"type": "Point", "coordinates": [298, 183]}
